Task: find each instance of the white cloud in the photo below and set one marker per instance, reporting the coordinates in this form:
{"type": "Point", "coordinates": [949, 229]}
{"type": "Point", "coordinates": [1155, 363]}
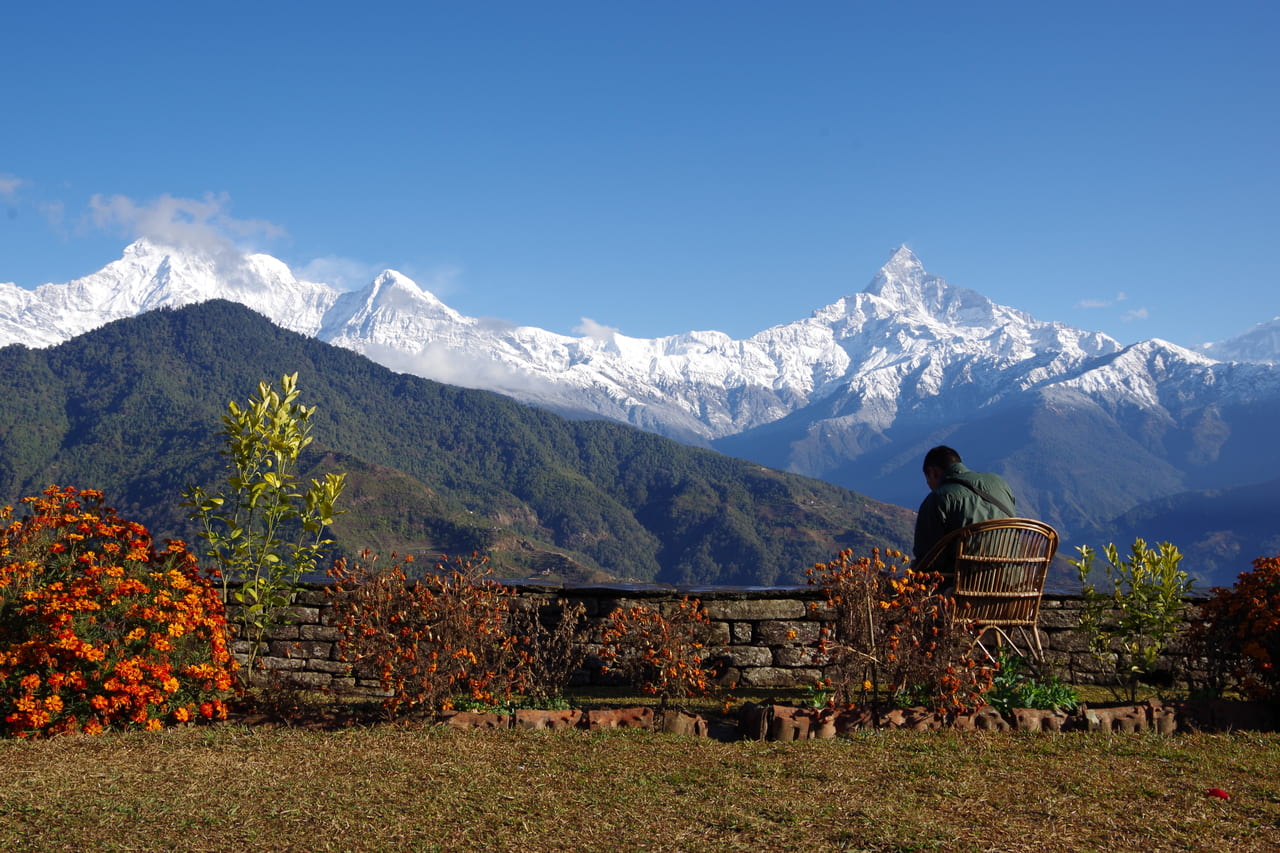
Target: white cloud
{"type": "Point", "coordinates": [1102, 303]}
{"type": "Point", "coordinates": [442, 363]}
{"type": "Point", "coordinates": [439, 281]}
{"type": "Point", "coordinates": [9, 186]}
{"type": "Point", "coordinates": [203, 225]}
{"type": "Point", "coordinates": [494, 324]}
{"type": "Point", "coordinates": [340, 273]}
{"type": "Point", "coordinates": [1136, 314]}
{"type": "Point", "coordinates": [352, 274]}
{"type": "Point", "coordinates": [598, 331]}
{"type": "Point", "coordinates": [55, 212]}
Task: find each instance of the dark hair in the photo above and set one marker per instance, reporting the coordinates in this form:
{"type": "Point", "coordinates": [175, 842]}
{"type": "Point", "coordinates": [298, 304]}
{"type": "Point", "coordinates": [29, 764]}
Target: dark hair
{"type": "Point", "coordinates": [941, 457]}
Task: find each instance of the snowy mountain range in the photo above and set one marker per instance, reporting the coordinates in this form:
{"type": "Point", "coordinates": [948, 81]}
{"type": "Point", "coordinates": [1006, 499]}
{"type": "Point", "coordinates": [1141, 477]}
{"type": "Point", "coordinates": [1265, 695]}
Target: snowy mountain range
{"type": "Point", "coordinates": [1085, 429]}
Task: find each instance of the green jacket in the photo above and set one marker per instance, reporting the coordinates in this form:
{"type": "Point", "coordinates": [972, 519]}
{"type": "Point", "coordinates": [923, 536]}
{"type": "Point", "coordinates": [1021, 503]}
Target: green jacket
{"type": "Point", "coordinates": [954, 505]}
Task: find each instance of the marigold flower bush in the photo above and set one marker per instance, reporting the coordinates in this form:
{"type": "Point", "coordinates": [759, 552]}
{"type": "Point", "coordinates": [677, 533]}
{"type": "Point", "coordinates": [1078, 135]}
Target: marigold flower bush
{"type": "Point", "coordinates": [431, 640]}
{"type": "Point", "coordinates": [1239, 631]}
{"type": "Point", "coordinates": [99, 629]}
{"type": "Point", "coordinates": [666, 656]}
{"type": "Point", "coordinates": [890, 634]}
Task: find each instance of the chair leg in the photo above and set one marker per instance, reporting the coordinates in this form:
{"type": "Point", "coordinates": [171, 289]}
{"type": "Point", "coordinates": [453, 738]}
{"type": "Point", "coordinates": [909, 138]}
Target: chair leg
{"type": "Point", "coordinates": [1001, 638]}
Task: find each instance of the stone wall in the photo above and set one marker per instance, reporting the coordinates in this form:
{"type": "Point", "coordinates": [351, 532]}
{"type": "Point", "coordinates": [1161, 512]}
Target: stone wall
{"type": "Point", "coordinates": [767, 633]}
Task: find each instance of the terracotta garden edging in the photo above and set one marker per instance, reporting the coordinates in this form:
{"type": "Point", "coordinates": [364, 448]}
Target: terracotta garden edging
{"type": "Point", "coordinates": [790, 723]}
{"type": "Point", "coordinates": [785, 722]}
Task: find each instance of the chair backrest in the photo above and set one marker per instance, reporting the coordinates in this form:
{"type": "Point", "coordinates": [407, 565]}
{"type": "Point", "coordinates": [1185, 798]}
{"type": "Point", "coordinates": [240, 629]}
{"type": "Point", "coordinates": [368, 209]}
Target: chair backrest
{"type": "Point", "coordinates": [1000, 569]}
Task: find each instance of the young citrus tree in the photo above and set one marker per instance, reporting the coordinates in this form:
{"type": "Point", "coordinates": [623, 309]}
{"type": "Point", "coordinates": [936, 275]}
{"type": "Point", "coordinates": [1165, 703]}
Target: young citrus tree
{"type": "Point", "coordinates": [1138, 612]}
{"type": "Point", "coordinates": [264, 530]}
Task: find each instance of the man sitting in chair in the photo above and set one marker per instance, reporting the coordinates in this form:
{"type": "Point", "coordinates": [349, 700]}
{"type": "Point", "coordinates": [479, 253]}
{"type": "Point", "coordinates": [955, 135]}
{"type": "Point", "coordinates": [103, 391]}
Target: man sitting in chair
{"type": "Point", "coordinates": [957, 498]}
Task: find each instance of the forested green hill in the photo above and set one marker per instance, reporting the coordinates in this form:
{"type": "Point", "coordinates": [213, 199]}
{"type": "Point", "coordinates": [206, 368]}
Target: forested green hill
{"type": "Point", "coordinates": [134, 408]}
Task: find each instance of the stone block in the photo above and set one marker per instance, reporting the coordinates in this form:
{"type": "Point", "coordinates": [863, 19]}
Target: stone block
{"type": "Point", "coordinates": [739, 632]}
{"type": "Point", "coordinates": [1068, 641]}
{"type": "Point", "coordinates": [312, 598]}
{"type": "Point", "coordinates": [795, 656]}
{"type": "Point", "coordinates": [304, 649]}
{"type": "Point", "coordinates": [719, 636]}
{"type": "Point", "coordinates": [772, 676]}
{"type": "Point", "coordinates": [743, 656]}
{"type": "Point", "coordinates": [1056, 619]}
{"type": "Point", "coordinates": [729, 676]}
{"type": "Point", "coordinates": [755, 610]}
{"type": "Point", "coordinates": [298, 615]}
{"type": "Point", "coordinates": [281, 663]}
{"type": "Point", "coordinates": [306, 680]}
{"type": "Point", "coordinates": [319, 632]}
{"type": "Point", "coordinates": [333, 667]}
{"type": "Point", "coordinates": [780, 633]}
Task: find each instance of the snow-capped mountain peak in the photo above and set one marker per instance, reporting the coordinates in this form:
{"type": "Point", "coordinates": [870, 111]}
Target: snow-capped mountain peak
{"type": "Point", "coordinates": [907, 339]}
{"type": "Point", "coordinates": [852, 393]}
{"type": "Point", "coordinates": [1261, 343]}
{"type": "Point", "coordinates": [903, 282]}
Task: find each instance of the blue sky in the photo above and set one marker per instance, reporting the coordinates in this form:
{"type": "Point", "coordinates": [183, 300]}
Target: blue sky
{"type": "Point", "coordinates": [659, 167]}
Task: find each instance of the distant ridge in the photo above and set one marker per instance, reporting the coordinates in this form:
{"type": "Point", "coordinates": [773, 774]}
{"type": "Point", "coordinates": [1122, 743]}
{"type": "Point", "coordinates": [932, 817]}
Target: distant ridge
{"type": "Point", "coordinates": [132, 408]}
{"type": "Point", "coordinates": [1085, 428]}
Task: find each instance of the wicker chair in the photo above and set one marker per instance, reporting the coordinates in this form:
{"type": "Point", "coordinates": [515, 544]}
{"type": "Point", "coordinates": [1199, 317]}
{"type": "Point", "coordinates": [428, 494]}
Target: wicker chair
{"type": "Point", "coordinates": [1000, 569]}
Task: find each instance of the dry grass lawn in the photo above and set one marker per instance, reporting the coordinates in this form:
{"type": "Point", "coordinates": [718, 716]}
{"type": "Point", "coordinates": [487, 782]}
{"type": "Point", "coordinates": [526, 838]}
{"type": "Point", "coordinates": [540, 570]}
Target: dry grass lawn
{"type": "Point", "coordinates": [385, 788]}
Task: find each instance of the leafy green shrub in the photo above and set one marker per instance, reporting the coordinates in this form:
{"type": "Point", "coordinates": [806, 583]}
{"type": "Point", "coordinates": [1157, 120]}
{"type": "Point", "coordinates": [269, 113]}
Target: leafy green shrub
{"type": "Point", "coordinates": [1014, 685]}
{"type": "Point", "coordinates": [264, 531]}
{"type": "Point", "coordinates": [1239, 632]}
{"type": "Point", "coordinates": [98, 628]}
{"type": "Point", "coordinates": [1130, 624]}
{"type": "Point", "coordinates": [890, 634]}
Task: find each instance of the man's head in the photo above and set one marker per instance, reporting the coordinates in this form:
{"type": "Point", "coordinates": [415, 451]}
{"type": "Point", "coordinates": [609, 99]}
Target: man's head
{"type": "Point", "coordinates": [936, 463]}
